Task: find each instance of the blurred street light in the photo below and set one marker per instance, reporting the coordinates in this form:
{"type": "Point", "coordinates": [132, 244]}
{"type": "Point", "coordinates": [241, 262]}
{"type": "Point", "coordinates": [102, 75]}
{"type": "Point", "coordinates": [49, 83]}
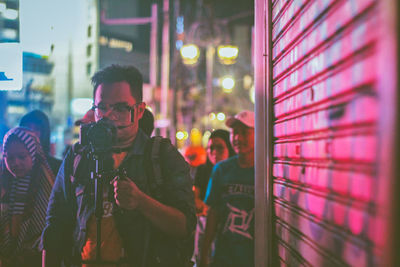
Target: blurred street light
{"type": "Point", "coordinates": [247, 81]}
{"type": "Point", "coordinates": [2, 7]}
{"type": "Point", "coordinates": [149, 108]}
{"type": "Point", "coordinates": [79, 106]}
{"type": "Point", "coordinates": [211, 36]}
{"type": "Point", "coordinates": [228, 54]}
{"type": "Point", "coordinates": [212, 116]}
{"type": "Point", "coordinates": [195, 137]}
{"type": "Point", "coordinates": [252, 94]}
{"type": "Point", "coordinates": [182, 135]}
{"type": "Point", "coordinates": [221, 116]}
{"type": "Point", "coordinates": [10, 14]}
{"type": "Point", "coordinates": [10, 33]}
{"type": "Point", "coordinates": [205, 138]}
{"type": "Point", "coordinates": [227, 84]}
{"type": "Point", "coordinates": [190, 54]}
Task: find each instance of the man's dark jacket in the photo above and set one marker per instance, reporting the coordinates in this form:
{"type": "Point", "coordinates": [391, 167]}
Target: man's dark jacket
{"type": "Point", "coordinates": [72, 203]}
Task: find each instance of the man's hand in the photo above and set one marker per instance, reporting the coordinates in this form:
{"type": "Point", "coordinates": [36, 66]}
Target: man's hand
{"type": "Point", "coordinates": [127, 195]}
{"type": "Point", "coordinates": [168, 219]}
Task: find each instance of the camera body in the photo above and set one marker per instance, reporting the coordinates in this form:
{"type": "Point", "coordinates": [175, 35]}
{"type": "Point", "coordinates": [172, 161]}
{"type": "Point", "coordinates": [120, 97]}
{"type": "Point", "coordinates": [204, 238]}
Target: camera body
{"type": "Point", "coordinates": [99, 136]}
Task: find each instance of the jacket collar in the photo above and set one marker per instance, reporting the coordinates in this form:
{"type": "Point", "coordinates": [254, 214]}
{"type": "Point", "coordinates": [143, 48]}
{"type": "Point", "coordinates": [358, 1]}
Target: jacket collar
{"type": "Point", "coordinates": [139, 144]}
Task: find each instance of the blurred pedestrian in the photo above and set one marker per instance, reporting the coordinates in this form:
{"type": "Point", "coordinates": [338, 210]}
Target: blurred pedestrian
{"type": "Point", "coordinates": [25, 185]}
{"type": "Point", "coordinates": [218, 148]}
{"type": "Point", "coordinates": [38, 122]}
{"type": "Point", "coordinates": [230, 197]}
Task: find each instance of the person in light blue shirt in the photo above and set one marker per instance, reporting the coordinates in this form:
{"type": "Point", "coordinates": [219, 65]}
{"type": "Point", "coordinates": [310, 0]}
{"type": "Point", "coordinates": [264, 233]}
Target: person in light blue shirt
{"type": "Point", "coordinates": [230, 196]}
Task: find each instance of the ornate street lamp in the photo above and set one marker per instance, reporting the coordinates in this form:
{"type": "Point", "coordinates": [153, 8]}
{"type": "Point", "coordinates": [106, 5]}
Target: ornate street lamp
{"type": "Point", "coordinates": [227, 84]}
{"type": "Point", "coordinates": [228, 54]}
{"type": "Point", "coordinates": [190, 53]}
{"type": "Point", "coordinates": [208, 34]}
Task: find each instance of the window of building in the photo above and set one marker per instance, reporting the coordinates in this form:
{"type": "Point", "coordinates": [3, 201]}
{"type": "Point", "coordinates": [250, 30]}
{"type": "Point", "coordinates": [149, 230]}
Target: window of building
{"type": "Point", "coordinates": [89, 69]}
{"type": "Point", "coordinates": [89, 50]}
{"type": "Point", "coordinates": [89, 31]}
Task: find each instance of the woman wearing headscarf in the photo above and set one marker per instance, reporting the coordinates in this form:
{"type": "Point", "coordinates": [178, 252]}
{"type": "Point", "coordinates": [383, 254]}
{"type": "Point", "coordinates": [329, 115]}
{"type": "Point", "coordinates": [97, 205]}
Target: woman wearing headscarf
{"type": "Point", "coordinates": [26, 181]}
{"type": "Point", "coordinates": [218, 148]}
{"type": "Point", "coordinates": [38, 122]}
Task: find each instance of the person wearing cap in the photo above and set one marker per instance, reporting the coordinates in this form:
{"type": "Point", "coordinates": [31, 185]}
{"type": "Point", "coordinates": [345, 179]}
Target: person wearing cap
{"type": "Point", "coordinates": [230, 197]}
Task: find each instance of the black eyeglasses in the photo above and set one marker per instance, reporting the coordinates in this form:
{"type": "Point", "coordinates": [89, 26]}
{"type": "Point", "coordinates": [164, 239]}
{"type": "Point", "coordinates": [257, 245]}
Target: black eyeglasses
{"type": "Point", "coordinates": [121, 110]}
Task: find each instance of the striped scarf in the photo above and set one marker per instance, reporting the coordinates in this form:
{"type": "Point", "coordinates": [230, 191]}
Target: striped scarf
{"type": "Point", "coordinates": [29, 223]}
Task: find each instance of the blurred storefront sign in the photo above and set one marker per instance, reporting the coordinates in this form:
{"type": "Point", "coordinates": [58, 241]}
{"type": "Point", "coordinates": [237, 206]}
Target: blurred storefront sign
{"type": "Point", "coordinates": [79, 106]}
{"type": "Point", "coordinates": [115, 43]}
{"type": "Point", "coordinates": [10, 66]}
{"type": "Point", "coordinates": [38, 82]}
{"type": "Point", "coordinates": [162, 123]}
{"type": "Point", "coordinates": [117, 50]}
{"type": "Point", "coordinates": [16, 110]}
{"type": "Point", "coordinates": [36, 88]}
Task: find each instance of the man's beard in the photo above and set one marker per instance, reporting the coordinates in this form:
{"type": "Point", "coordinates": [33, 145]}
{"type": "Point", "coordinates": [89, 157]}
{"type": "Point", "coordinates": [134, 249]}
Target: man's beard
{"type": "Point", "coordinates": [126, 135]}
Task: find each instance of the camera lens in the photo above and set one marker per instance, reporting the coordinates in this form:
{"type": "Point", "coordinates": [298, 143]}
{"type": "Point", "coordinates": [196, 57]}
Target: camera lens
{"type": "Point", "coordinates": [102, 136]}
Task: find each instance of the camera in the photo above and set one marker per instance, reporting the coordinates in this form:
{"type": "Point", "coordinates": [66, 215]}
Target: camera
{"type": "Point", "coordinates": [99, 136]}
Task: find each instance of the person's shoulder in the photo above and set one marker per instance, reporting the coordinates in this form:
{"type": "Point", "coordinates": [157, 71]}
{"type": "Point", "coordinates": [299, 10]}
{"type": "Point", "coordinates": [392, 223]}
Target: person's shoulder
{"type": "Point", "coordinates": [166, 146]}
{"type": "Point", "coordinates": [54, 160]}
{"type": "Point", "coordinates": [54, 163]}
{"type": "Point", "coordinates": [228, 163]}
{"type": "Point", "coordinates": [203, 167]}
{"type": "Point", "coordinates": [169, 155]}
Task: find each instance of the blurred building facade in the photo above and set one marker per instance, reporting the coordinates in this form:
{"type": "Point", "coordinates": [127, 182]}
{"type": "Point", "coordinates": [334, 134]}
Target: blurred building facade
{"type": "Point", "coordinates": [200, 99]}
{"type": "Point", "coordinates": [75, 60]}
{"type": "Point", "coordinates": [9, 32]}
{"type": "Point", "coordinates": [92, 42]}
{"type": "Point", "coordinates": [9, 21]}
{"type": "Point", "coordinates": [92, 46]}
{"type": "Point", "coordinates": [37, 89]}
{"type": "Point", "coordinates": [37, 84]}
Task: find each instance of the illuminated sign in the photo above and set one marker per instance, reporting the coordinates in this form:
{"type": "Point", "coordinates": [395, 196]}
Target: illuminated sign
{"type": "Point", "coordinates": [80, 106]}
{"type": "Point", "coordinates": [115, 43]}
{"type": "Point", "coordinates": [10, 66]}
{"type": "Point", "coordinates": [38, 82]}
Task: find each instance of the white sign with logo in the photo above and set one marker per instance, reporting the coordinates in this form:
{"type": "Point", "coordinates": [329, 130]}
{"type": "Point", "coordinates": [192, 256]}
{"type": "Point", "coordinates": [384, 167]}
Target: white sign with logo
{"type": "Point", "coordinates": [10, 66]}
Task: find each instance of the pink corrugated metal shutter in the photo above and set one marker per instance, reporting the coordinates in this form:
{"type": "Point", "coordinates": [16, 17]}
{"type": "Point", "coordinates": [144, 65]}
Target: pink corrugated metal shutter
{"type": "Point", "coordinates": [324, 58]}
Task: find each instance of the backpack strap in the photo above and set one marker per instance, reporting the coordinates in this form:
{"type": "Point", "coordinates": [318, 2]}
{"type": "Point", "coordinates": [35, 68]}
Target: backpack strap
{"type": "Point", "coordinates": [152, 161]}
{"type": "Point", "coordinates": [155, 159]}
{"type": "Point", "coordinates": [76, 153]}
{"type": "Point", "coordinates": [152, 165]}
{"type": "Point", "coordinates": [156, 149]}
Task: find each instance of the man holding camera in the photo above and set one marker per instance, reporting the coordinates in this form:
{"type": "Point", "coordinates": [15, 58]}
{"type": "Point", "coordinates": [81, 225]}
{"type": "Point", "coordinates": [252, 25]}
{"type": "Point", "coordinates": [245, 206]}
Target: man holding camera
{"type": "Point", "coordinates": [137, 228]}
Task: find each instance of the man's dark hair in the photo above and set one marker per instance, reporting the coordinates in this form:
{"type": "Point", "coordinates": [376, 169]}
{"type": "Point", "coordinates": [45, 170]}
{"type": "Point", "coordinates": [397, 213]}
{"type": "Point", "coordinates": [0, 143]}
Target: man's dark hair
{"type": "Point", "coordinates": [118, 73]}
{"type": "Point", "coordinates": [224, 135]}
